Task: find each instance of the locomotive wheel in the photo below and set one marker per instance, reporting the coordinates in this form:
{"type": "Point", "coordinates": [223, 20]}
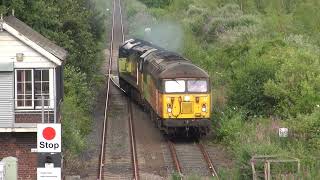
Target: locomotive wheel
{"type": "Point", "coordinates": [160, 124]}
{"type": "Point", "coordinates": [145, 106]}
{"type": "Point", "coordinates": [157, 122]}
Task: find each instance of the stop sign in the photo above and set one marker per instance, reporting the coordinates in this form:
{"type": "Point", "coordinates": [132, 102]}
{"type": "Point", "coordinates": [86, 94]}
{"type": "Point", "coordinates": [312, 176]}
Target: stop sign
{"type": "Point", "coordinates": [49, 137]}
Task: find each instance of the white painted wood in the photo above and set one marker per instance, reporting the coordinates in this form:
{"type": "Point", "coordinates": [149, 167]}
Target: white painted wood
{"type": "Point", "coordinates": [6, 99]}
{"type": "Point", "coordinates": [21, 127]}
{"type": "Point", "coordinates": [10, 46]}
{"type": "Point", "coordinates": [34, 65]}
{"type": "Point", "coordinates": [51, 89]}
{"type": "Point", "coordinates": [32, 111]}
{"type": "Point", "coordinates": [32, 44]}
{"type": "Point", "coordinates": [10, 43]}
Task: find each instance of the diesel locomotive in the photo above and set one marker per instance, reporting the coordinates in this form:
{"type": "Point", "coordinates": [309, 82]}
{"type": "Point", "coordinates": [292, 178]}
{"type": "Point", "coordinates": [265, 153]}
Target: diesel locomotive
{"type": "Point", "coordinates": [174, 91]}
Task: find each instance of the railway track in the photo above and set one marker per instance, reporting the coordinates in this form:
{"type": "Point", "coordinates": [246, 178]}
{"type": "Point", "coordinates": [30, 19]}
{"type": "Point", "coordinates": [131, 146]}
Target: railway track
{"type": "Point", "coordinates": [115, 164]}
{"type": "Point", "coordinates": [191, 158]}
{"type": "Point", "coordinates": [133, 143]}
{"type": "Point", "coordinates": [122, 162]}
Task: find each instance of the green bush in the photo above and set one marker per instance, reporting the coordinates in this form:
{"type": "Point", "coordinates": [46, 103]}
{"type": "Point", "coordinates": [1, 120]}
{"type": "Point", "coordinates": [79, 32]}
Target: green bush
{"type": "Point", "coordinates": [252, 64]}
{"type": "Point", "coordinates": [307, 19]}
{"type": "Point", "coordinates": [229, 24]}
{"type": "Point", "coordinates": [76, 124]}
{"type": "Point", "coordinates": [198, 17]}
{"type": "Point", "coordinates": [76, 110]}
{"type": "Point", "coordinates": [230, 125]}
{"type": "Point", "coordinates": [247, 87]}
{"type": "Point", "coordinates": [76, 85]}
{"type": "Point", "coordinates": [296, 85]}
{"type": "Point", "coordinates": [306, 128]}
{"type": "Point", "coordinates": [156, 3]}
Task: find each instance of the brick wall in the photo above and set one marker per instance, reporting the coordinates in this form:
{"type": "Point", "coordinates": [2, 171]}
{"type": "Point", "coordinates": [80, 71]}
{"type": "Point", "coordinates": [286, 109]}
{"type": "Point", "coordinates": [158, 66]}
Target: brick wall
{"type": "Point", "coordinates": [33, 118]}
{"type": "Point", "coordinates": [19, 145]}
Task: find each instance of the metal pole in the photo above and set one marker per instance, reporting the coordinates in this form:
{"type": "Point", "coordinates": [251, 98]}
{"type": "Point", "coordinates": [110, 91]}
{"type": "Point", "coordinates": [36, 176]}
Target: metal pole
{"type": "Point", "coordinates": [54, 97]}
{"type": "Point", "coordinates": [269, 171]}
{"type": "Point", "coordinates": [48, 111]}
{"type": "Point", "coordinates": [42, 109]}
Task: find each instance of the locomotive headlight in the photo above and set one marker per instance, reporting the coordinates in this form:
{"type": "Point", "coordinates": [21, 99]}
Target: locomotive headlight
{"type": "Point", "coordinates": [169, 108]}
{"type": "Point", "coordinates": [204, 108]}
{"type": "Point", "coordinates": [186, 98]}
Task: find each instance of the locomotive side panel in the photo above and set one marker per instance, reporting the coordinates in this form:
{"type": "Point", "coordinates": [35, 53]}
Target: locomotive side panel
{"type": "Point", "coordinates": [128, 70]}
{"type": "Point", "coordinates": [150, 92]}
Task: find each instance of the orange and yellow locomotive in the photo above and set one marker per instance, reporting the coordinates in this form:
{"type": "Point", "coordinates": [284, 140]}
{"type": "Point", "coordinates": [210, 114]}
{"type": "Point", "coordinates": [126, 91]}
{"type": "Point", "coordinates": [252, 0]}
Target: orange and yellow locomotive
{"type": "Point", "coordinates": [175, 91]}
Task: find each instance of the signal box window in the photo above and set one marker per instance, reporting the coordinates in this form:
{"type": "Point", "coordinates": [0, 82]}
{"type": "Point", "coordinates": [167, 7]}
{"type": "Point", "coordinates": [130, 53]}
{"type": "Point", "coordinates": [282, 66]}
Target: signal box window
{"type": "Point", "coordinates": [41, 87]}
{"type": "Point", "coordinates": [24, 88]}
{"type": "Point", "coordinates": [30, 86]}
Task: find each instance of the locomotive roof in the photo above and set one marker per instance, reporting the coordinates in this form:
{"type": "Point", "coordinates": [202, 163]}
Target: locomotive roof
{"type": "Point", "coordinates": [163, 64]}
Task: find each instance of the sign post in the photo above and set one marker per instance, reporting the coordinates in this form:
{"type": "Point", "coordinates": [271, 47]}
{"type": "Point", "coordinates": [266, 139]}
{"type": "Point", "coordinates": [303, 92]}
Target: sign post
{"type": "Point", "coordinates": [1, 171]}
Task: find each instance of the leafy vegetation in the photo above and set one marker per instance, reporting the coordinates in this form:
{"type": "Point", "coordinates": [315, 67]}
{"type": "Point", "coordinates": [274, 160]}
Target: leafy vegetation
{"type": "Point", "coordinates": [263, 59]}
{"type": "Point", "coordinates": [157, 3]}
{"type": "Point", "coordinates": [77, 26]}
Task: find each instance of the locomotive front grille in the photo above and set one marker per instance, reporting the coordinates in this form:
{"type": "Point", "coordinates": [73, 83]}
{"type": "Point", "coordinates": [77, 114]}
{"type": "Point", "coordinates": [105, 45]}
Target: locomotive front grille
{"type": "Point", "coordinates": [186, 107]}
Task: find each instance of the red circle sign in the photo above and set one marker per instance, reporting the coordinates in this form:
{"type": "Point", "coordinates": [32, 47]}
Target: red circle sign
{"type": "Point", "coordinates": [48, 133]}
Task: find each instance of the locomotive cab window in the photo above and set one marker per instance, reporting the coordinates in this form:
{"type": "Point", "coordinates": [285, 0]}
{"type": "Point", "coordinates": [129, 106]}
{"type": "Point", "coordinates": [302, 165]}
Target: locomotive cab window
{"type": "Point", "coordinates": [197, 86]}
{"type": "Point", "coordinates": [175, 86]}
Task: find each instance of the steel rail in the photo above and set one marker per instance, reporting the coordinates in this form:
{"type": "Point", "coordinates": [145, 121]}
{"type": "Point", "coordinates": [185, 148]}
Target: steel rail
{"type": "Point", "coordinates": [133, 143]}
{"type": "Point", "coordinates": [102, 157]}
{"type": "Point", "coordinates": [175, 157]}
{"type": "Point", "coordinates": [208, 160]}
{"type": "Point", "coordinates": [131, 126]}
{"type": "Point", "coordinates": [122, 31]}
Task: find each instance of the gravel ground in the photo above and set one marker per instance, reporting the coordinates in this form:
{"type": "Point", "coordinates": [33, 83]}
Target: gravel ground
{"type": "Point", "coordinates": [191, 160]}
{"type": "Point", "coordinates": [148, 140]}
{"type": "Point", "coordinates": [117, 152]}
{"type": "Point", "coordinates": [220, 157]}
